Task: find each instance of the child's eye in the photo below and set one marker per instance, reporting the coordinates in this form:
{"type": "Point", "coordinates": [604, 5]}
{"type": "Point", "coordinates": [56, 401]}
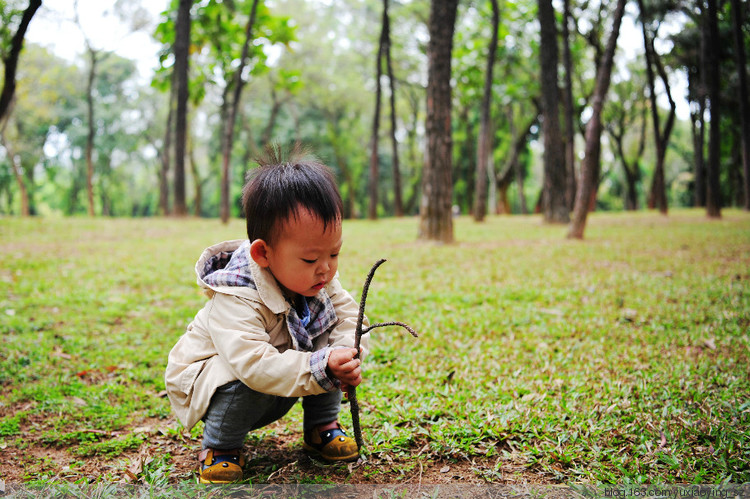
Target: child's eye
{"type": "Point", "coordinates": [309, 261]}
{"type": "Point", "coordinates": [335, 255]}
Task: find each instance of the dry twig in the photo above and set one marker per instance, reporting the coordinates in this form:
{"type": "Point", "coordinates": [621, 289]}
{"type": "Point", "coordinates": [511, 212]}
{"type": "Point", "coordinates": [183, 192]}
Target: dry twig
{"type": "Point", "coordinates": [358, 338]}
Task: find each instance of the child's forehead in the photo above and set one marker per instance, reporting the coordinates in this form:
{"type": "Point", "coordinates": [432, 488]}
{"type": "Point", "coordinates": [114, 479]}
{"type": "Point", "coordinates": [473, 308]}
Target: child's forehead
{"type": "Point", "coordinates": [302, 218]}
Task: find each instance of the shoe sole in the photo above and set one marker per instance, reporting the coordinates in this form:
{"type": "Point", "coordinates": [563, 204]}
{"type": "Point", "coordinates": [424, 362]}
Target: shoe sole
{"type": "Point", "coordinates": [338, 459]}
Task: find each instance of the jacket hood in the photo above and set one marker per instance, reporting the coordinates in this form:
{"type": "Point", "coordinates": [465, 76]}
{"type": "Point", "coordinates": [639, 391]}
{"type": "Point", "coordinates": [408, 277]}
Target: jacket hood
{"type": "Point", "coordinates": [228, 268]}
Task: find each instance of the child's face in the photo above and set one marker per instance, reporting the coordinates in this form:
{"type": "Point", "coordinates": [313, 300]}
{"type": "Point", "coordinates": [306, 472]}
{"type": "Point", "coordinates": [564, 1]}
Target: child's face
{"type": "Point", "coordinates": [304, 257]}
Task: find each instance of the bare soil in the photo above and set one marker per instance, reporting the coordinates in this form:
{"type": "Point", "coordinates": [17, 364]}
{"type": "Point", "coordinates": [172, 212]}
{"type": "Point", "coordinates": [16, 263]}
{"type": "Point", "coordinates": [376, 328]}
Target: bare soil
{"type": "Point", "coordinates": [275, 460]}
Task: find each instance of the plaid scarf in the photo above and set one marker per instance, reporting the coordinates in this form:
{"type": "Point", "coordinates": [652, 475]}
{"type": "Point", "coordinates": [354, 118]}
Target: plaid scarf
{"type": "Point", "coordinates": [232, 268]}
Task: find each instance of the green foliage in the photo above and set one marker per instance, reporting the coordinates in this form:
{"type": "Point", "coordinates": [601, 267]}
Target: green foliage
{"type": "Point", "coordinates": [622, 358]}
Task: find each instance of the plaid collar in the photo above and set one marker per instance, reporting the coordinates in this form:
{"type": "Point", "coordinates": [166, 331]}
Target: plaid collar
{"type": "Point", "coordinates": [235, 269]}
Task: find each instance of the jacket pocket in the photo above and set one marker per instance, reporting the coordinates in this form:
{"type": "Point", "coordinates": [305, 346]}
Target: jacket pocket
{"type": "Point", "coordinates": [189, 375]}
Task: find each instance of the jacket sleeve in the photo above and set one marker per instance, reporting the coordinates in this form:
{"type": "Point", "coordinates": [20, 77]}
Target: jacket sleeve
{"type": "Point", "coordinates": [243, 343]}
{"type": "Point", "coordinates": [347, 312]}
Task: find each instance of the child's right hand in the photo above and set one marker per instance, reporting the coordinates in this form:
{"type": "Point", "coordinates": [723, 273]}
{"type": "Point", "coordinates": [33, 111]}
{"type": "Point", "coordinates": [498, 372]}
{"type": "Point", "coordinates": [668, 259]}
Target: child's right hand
{"type": "Point", "coordinates": [344, 367]}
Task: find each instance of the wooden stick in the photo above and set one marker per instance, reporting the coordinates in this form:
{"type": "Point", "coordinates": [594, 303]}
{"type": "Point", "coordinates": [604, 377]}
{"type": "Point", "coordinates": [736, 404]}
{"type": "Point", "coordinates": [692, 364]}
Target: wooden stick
{"type": "Point", "coordinates": [354, 404]}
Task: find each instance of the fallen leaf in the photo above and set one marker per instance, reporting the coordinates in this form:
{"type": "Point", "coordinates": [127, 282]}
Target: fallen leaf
{"type": "Point", "coordinates": [445, 469]}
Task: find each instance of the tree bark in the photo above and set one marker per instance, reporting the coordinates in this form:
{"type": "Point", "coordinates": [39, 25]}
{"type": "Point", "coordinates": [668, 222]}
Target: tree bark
{"type": "Point", "coordinates": [570, 154]}
{"type": "Point", "coordinates": [10, 62]}
{"type": "Point", "coordinates": [711, 68]}
{"type": "Point", "coordinates": [436, 221]}
{"type": "Point", "coordinates": [17, 172]}
{"type": "Point", "coordinates": [91, 132]}
{"type": "Point", "coordinates": [483, 147]}
{"type": "Point", "coordinates": [372, 210]}
{"type": "Point", "coordinates": [228, 135]}
{"type": "Point", "coordinates": [397, 196]}
{"type": "Point", "coordinates": [594, 129]}
{"type": "Point", "coordinates": [739, 51]}
{"type": "Point", "coordinates": [699, 140]}
{"type": "Point", "coordinates": [658, 194]}
{"type": "Point", "coordinates": [181, 55]}
{"type": "Point", "coordinates": [554, 205]}
{"type": "Point", "coordinates": [617, 129]}
{"type": "Point", "coordinates": [166, 157]}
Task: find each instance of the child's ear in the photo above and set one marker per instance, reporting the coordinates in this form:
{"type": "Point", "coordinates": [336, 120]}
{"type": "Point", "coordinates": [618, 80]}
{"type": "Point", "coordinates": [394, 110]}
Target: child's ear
{"type": "Point", "coordinates": [259, 252]}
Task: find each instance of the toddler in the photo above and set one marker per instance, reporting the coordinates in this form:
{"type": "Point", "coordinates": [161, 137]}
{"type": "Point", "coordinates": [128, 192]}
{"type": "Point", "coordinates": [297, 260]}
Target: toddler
{"type": "Point", "coordinates": [277, 325]}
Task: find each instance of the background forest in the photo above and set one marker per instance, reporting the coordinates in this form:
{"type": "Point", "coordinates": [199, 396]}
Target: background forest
{"type": "Point", "coordinates": [93, 136]}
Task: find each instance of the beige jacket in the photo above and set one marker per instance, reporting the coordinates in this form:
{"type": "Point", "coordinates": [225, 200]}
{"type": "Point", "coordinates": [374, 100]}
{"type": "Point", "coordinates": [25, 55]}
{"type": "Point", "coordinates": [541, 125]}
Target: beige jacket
{"type": "Point", "coordinates": [243, 334]}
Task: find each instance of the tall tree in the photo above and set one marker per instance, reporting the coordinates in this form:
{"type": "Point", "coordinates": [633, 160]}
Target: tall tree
{"type": "Point", "coordinates": [181, 63]}
{"type": "Point", "coordinates": [372, 210]}
{"type": "Point", "coordinates": [554, 205]}
{"type": "Point", "coordinates": [436, 222]}
{"type": "Point", "coordinates": [569, 111]}
{"type": "Point", "coordinates": [484, 146]}
{"type": "Point", "coordinates": [231, 117]}
{"type": "Point", "coordinates": [627, 113]}
{"type": "Point", "coordinates": [594, 129]}
{"type": "Point", "coordinates": [12, 50]}
{"type": "Point", "coordinates": [658, 194]}
{"type": "Point", "coordinates": [712, 71]}
{"type": "Point", "coordinates": [398, 203]}
{"type": "Point", "coordinates": [739, 56]}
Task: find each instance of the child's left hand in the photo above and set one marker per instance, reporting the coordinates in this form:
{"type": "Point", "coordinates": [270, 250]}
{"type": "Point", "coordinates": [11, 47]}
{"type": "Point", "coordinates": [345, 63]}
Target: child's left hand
{"type": "Point", "coordinates": [344, 367]}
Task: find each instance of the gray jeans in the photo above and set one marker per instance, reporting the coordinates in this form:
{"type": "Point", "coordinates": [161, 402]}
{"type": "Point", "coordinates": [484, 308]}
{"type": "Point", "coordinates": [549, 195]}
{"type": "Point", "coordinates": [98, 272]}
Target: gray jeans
{"type": "Point", "coordinates": [236, 409]}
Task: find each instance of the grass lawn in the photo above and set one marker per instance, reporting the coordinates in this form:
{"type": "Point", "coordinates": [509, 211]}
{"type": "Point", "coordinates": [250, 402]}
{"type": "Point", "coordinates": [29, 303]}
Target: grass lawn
{"type": "Point", "coordinates": [620, 359]}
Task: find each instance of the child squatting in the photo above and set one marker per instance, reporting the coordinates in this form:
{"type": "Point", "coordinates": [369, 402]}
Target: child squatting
{"type": "Point", "coordinates": [277, 325]}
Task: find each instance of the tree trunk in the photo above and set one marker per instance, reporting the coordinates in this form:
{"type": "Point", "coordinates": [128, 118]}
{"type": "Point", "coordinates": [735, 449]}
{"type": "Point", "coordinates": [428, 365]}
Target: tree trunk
{"type": "Point", "coordinates": [739, 54]}
{"type": "Point", "coordinates": [554, 205]}
{"type": "Point", "coordinates": [17, 168]}
{"type": "Point", "coordinates": [166, 157]}
{"type": "Point", "coordinates": [91, 132]}
{"type": "Point", "coordinates": [436, 221]}
{"type": "Point", "coordinates": [181, 63]}
{"type": "Point", "coordinates": [397, 197]}
{"type": "Point", "coordinates": [594, 129]}
{"type": "Point", "coordinates": [372, 210]}
{"type": "Point", "coordinates": [483, 147]}
{"type": "Point", "coordinates": [570, 141]}
{"type": "Point", "coordinates": [10, 62]}
{"type": "Point", "coordinates": [658, 194]}
{"type": "Point", "coordinates": [265, 139]}
{"type": "Point", "coordinates": [711, 68]}
{"type": "Point", "coordinates": [228, 135]}
{"type": "Point", "coordinates": [699, 140]}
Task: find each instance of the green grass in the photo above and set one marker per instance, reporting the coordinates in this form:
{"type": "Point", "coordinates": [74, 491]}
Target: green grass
{"type": "Point", "coordinates": [623, 358]}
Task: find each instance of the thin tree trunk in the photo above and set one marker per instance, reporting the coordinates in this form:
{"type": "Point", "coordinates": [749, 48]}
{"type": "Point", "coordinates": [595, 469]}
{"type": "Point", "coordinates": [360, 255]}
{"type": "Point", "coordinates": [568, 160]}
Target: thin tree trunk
{"type": "Point", "coordinates": [658, 193]}
{"type": "Point", "coordinates": [739, 51]}
{"type": "Point", "coordinates": [272, 117]}
{"type": "Point", "coordinates": [594, 129]}
{"type": "Point", "coordinates": [91, 132]}
{"type": "Point", "coordinates": [397, 196]}
{"type": "Point", "coordinates": [166, 157]}
{"type": "Point", "coordinates": [570, 160]}
{"type": "Point", "coordinates": [699, 140]}
{"type": "Point", "coordinates": [436, 218]}
{"type": "Point", "coordinates": [17, 173]}
{"type": "Point", "coordinates": [372, 210]}
{"type": "Point", "coordinates": [10, 62]}
{"type": "Point", "coordinates": [554, 205]}
{"type": "Point", "coordinates": [713, 192]}
{"type": "Point", "coordinates": [181, 48]}
{"type": "Point", "coordinates": [483, 148]}
{"type": "Point", "coordinates": [228, 136]}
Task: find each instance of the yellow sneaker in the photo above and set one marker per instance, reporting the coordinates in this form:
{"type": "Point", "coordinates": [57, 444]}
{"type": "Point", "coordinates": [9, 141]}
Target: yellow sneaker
{"type": "Point", "coordinates": [220, 466]}
{"type": "Point", "coordinates": [331, 445]}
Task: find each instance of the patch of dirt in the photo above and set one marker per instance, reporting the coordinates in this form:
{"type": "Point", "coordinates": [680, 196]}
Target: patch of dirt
{"type": "Point", "coordinates": [274, 460]}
